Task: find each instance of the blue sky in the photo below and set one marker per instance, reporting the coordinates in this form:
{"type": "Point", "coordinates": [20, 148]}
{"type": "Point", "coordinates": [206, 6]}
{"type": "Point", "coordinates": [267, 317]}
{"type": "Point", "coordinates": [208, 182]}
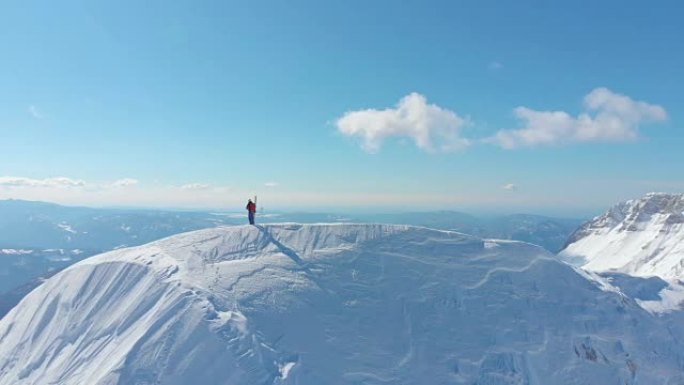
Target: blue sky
{"type": "Point", "coordinates": [203, 103]}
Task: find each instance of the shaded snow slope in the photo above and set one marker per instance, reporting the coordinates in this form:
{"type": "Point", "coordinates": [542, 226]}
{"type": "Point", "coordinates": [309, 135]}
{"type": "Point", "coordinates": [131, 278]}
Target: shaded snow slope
{"type": "Point", "coordinates": [642, 237]}
{"type": "Point", "coordinates": [332, 304]}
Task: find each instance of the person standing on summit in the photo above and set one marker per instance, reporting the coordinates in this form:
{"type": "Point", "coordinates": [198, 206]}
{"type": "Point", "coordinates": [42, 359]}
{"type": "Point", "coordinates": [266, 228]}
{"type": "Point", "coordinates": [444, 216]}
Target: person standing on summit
{"type": "Point", "coordinates": [251, 210]}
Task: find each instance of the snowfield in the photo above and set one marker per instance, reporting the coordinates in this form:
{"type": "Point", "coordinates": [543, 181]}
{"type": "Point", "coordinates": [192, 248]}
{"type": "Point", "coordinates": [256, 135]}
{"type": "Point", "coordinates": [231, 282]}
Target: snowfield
{"type": "Point", "coordinates": [333, 304]}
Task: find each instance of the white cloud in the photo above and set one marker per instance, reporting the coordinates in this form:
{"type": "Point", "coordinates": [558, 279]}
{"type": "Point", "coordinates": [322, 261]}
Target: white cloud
{"type": "Point", "coordinates": [125, 182]}
{"type": "Point", "coordinates": [195, 186]}
{"type": "Point", "coordinates": [431, 127]}
{"type": "Point", "coordinates": [60, 182]}
{"type": "Point", "coordinates": [118, 192]}
{"type": "Point", "coordinates": [609, 117]}
{"type": "Point", "coordinates": [509, 187]}
{"type": "Point", "coordinates": [271, 184]}
{"type": "Point", "coordinates": [33, 110]}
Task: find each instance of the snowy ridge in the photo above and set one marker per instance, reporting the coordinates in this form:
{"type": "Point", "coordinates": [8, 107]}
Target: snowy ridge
{"type": "Point", "coordinates": [643, 237]}
{"type": "Point", "coordinates": [342, 304]}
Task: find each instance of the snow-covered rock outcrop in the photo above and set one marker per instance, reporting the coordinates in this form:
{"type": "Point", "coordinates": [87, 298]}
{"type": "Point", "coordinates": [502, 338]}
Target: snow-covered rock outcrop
{"type": "Point", "coordinates": [642, 237]}
{"type": "Point", "coordinates": [332, 304]}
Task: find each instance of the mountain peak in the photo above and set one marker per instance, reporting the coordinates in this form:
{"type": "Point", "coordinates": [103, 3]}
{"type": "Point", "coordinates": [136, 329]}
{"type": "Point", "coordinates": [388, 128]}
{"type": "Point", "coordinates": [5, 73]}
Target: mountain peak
{"type": "Point", "coordinates": [658, 202]}
{"type": "Point", "coordinates": [639, 237]}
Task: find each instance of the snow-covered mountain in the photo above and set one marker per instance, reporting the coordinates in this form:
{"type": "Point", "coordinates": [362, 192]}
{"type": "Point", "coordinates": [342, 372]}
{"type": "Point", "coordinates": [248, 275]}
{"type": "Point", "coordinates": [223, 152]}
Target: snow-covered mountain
{"type": "Point", "coordinates": [333, 304]}
{"type": "Point", "coordinates": [38, 239]}
{"type": "Point", "coordinates": [642, 237]}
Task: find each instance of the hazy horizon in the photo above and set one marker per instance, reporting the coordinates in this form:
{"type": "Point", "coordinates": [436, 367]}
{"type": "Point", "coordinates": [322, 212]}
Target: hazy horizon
{"type": "Point", "coordinates": [483, 212]}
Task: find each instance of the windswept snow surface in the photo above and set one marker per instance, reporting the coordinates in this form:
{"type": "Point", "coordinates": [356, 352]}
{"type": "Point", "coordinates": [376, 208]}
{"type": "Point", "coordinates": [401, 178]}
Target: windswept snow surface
{"type": "Point", "coordinates": [332, 304]}
{"type": "Point", "coordinates": [642, 237]}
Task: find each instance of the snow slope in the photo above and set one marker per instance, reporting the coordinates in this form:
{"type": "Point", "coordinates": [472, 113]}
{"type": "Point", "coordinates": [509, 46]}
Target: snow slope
{"type": "Point", "coordinates": [642, 237]}
{"type": "Point", "coordinates": [332, 304]}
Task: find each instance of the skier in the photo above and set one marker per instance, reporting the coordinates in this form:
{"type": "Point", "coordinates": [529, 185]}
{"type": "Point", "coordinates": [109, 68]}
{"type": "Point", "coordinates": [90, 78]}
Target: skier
{"type": "Point", "coordinates": [251, 210]}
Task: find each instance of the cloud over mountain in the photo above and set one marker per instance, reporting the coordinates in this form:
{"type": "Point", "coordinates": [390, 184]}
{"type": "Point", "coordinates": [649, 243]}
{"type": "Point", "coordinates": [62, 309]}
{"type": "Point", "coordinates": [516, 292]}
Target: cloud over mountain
{"type": "Point", "coordinates": [431, 127]}
{"type": "Point", "coordinates": [15, 181]}
{"type": "Point", "coordinates": [608, 117]}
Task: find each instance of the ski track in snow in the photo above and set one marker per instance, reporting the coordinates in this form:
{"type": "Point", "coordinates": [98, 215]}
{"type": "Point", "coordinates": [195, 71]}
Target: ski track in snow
{"type": "Point", "coordinates": [339, 304]}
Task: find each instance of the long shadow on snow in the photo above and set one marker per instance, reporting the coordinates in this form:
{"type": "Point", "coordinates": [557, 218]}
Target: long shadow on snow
{"type": "Point", "coordinates": [292, 254]}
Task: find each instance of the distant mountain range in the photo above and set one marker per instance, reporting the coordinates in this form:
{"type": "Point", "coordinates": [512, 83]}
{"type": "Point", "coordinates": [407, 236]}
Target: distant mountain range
{"type": "Point", "coordinates": [38, 225]}
{"type": "Point", "coordinates": [548, 232]}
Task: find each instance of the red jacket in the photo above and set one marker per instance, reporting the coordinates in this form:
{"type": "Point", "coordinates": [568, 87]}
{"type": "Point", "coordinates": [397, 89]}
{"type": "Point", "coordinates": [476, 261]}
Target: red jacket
{"type": "Point", "coordinates": [251, 207]}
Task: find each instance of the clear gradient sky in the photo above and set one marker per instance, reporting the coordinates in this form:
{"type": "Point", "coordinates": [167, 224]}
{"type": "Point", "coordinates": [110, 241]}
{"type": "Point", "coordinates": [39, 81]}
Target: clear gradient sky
{"type": "Point", "coordinates": [563, 107]}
